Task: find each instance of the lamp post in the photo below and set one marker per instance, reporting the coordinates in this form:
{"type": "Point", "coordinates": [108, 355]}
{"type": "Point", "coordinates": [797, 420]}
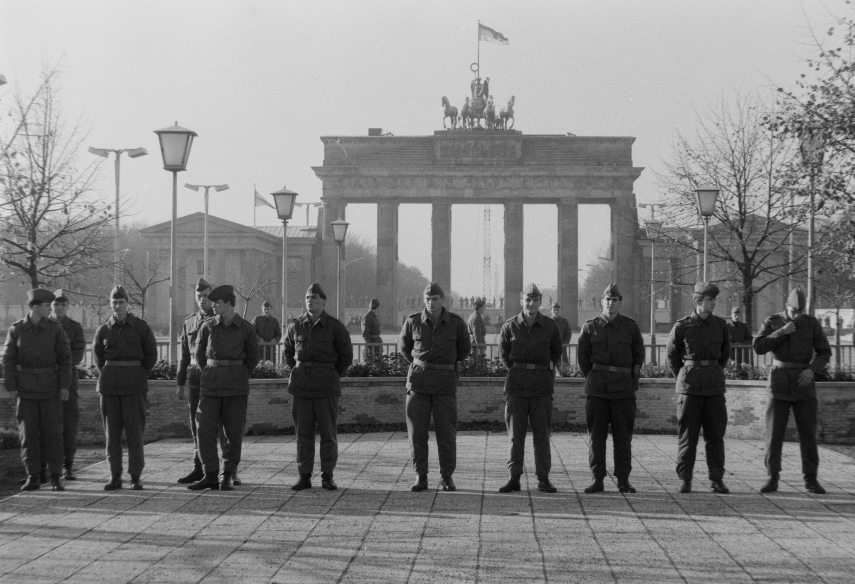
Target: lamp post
{"type": "Point", "coordinates": [706, 196]}
{"type": "Point", "coordinates": [339, 227]}
{"type": "Point", "coordinates": [132, 153]}
{"type": "Point", "coordinates": [284, 201]}
{"type": "Point", "coordinates": [196, 188]}
{"type": "Point", "coordinates": [653, 227]}
{"type": "Point", "coordinates": [175, 144]}
{"type": "Point", "coordinates": [811, 149]}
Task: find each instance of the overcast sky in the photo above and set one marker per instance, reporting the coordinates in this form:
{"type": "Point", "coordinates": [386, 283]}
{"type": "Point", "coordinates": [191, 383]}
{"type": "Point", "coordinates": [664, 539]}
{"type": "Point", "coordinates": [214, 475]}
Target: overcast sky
{"type": "Point", "coordinates": [261, 81]}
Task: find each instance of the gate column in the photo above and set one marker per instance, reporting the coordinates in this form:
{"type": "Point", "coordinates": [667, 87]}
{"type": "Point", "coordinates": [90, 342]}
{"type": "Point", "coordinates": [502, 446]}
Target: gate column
{"type": "Point", "coordinates": [387, 263]}
{"type": "Point", "coordinates": [441, 244]}
{"type": "Point", "coordinates": [568, 261]}
{"type": "Point", "coordinates": [513, 257]}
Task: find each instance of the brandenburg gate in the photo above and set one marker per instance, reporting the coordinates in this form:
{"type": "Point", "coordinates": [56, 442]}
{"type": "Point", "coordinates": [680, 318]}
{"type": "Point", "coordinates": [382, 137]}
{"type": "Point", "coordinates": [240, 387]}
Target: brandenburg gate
{"type": "Point", "coordinates": [484, 166]}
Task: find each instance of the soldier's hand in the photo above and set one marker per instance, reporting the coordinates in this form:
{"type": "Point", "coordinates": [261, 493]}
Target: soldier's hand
{"type": "Point", "coordinates": [179, 392]}
{"type": "Point", "coordinates": [805, 378]}
{"type": "Point", "coordinates": [63, 393]}
{"type": "Point", "coordinates": [787, 329]}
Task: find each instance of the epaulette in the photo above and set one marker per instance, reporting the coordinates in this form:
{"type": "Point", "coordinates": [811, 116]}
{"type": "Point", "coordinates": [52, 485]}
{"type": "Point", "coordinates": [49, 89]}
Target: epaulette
{"type": "Point", "coordinates": [510, 319]}
{"type": "Point", "coordinates": [413, 315]}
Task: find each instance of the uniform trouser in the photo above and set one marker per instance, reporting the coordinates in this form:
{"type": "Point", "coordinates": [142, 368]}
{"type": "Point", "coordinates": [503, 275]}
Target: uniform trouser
{"type": "Point", "coordinates": [124, 413]}
{"type": "Point", "coordinates": [193, 403]}
{"type": "Point", "coordinates": [443, 407]}
{"type": "Point", "coordinates": [693, 413]}
{"type": "Point", "coordinates": [215, 415]}
{"type": "Point", "coordinates": [40, 430]}
{"type": "Point", "coordinates": [310, 414]}
{"type": "Point", "coordinates": [777, 416]}
{"type": "Point", "coordinates": [70, 419]}
{"type": "Point", "coordinates": [620, 413]}
{"type": "Point", "coordinates": [519, 413]}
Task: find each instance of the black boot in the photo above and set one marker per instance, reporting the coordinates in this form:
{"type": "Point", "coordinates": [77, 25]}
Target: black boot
{"type": "Point", "coordinates": [624, 487]}
{"type": "Point", "coordinates": [136, 484]}
{"type": "Point", "coordinates": [226, 483]}
{"type": "Point", "coordinates": [31, 483]}
{"type": "Point", "coordinates": [305, 482]}
{"type": "Point", "coordinates": [718, 487]}
{"type": "Point", "coordinates": [113, 484]}
{"type": "Point", "coordinates": [813, 486]}
{"type": "Point", "coordinates": [55, 482]}
{"type": "Point", "coordinates": [208, 481]}
{"type": "Point", "coordinates": [771, 485]}
{"type": "Point", "coordinates": [69, 472]}
{"type": "Point", "coordinates": [194, 475]}
{"type": "Point", "coordinates": [447, 483]}
{"type": "Point", "coordinates": [596, 486]}
{"type": "Point", "coordinates": [421, 484]}
{"type": "Point", "coordinates": [686, 486]}
{"type": "Point", "coordinates": [513, 484]}
{"type": "Point", "coordinates": [544, 485]}
{"type": "Point", "coordinates": [327, 481]}
{"type": "Point", "coordinates": [43, 476]}
{"type": "Point", "coordinates": [236, 479]}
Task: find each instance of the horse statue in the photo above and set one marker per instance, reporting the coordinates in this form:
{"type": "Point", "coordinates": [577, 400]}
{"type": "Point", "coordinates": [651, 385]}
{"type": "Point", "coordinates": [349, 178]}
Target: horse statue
{"type": "Point", "coordinates": [450, 112]}
{"type": "Point", "coordinates": [507, 115]}
{"type": "Point", "coordinates": [490, 114]}
{"type": "Point", "coordinates": [466, 115]}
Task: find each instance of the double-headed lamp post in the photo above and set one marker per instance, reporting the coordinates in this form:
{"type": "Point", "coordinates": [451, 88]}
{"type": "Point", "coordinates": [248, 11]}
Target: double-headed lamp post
{"type": "Point", "coordinates": [339, 228]}
{"type": "Point", "coordinates": [175, 144]}
{"type": "Point", "coordinates": [197, 188]}
{"type": "Point", "coordinates": [132, 153]}
{"type": "Point", "coordinates": [653, 227]}
{"type": "Point", "coordinates": [284, 201]}
{"type": "Point", "coordinates": [811, 149]}
{"type": "Point", "coordinates": [706, 196]}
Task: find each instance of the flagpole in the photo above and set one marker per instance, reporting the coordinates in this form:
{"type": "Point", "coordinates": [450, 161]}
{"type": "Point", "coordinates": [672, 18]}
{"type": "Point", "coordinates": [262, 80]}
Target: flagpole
{"type": "Point", "coordinates": [254, 203]}
{"type": "Point", "coordinates": [478, 73]}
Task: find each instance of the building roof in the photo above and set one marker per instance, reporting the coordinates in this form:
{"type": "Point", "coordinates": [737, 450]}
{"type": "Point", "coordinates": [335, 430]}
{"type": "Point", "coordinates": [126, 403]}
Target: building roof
{"type": "Point", "coordinates": [220, 225]}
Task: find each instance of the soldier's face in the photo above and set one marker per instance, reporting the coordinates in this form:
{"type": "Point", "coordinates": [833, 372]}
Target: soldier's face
{"type": "Point", "coordinates": [794, 313]}
{"type": "Point", "coordinates": [266, 311]}
{"type": "Point", "coordinates": [736, 316]}
{"type": "Point", "coordinates": [433, 303]}
{"type": "Point", "coordinates": [223, 308]}
{"type": "Point", "coordinates": [530, 304]}
{"type": "Point", "coordinates": [706, 305]}
{"type": "Point", "coordinates": [314, 303]}
{"type": "Point", "coordinates": [59, 309]}
{"type": "Point", "coordinates": [611, 305]}
{"type": "Point", "coordinates": [120, 307]}
{"type": "Point", "coordinates": [42, 309]}
{"type": "Point", "coordinates": [555, 312]}
{"type": "Point", "coordinates": [202, 300]}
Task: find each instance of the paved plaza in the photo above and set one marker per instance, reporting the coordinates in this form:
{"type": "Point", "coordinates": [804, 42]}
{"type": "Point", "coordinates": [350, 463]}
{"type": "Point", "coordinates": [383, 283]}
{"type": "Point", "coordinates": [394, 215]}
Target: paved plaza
{"type": "Point", "coordinates": [373, 529]}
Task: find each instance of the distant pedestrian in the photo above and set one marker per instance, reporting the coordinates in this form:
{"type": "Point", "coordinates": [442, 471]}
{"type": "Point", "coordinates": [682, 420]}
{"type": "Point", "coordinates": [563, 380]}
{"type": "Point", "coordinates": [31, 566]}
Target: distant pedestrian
{"type": "Point", "coordinates": [268, 331]}
{"type": "Point", "coordinates": [477, 328]}
{"type": "Point", "coordinates": [740, 337]}
{"type": "Point", "coordinates": [564, 331]}
{"type": "Point", "coordinates": [371, 330]}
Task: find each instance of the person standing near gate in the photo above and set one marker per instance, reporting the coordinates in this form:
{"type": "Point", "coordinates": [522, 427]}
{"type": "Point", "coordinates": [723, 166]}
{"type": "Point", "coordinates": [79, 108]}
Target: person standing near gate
{"type": "Point", "coordinates": [125, 350]}
{"type": "Point", "coordinates": [477, 328]}
{"type": "Point", "coordinates": [801, 351]}
{"type": "Point", "coordinates": [268, 330]}
{"type": "Point", "coordinates": [371, 330]}
{"type": "Point", "coordinates": [435, 342]}
{"type": "Point", "coordinates": [610, 355]}
{"type": "Point", "coordinates": [564, 331]}
{"type": "Point", "coordinates": [740, 337]}
{"type": "Point", "coordinates": [698, 349]}
{"type": "Point", "coordinates": [530, 348]}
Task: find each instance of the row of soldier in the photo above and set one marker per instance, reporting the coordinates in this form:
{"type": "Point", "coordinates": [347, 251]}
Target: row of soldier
{"type": "Point", "coordinates": [219, 350]}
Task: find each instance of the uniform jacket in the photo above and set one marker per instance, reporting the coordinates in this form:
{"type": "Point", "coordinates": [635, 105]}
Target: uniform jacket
{"type": "Point", "coordinates": [76, 340]}
{"type": "Point", "coordinates": [189, 372]}
{"type": "Point", "coordinates": [371, 327]}
{"type": "Point", "coordinates": [267, 328]}
{"type": "Point", "coordinates": [442, 343]}
{"type": "Point", "coordinates": [739, 332]}
{"type": "Point", "coordinates": [235, 341]}
{"type": "Point", "coordinates": [617, 343]}
{"type": "Point", "coordinates": [477, 328]}
{"type": "Point", "coordinates": [30, 347]}
{"type": "Point", "coordinates": [130, 340]}
{"type": "Point", "coordinates": [538, 345]}
{"type": "Point", "coordinates": [564, 332]}
{"type": "Point", "coordinates": [808, 345]}
{"type": "Point", "coordinates": [318, 353]}
{"type": "Point", "coordinates": [699, 339]}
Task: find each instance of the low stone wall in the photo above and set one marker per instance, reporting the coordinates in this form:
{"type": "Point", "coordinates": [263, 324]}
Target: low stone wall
{"type": "Point", "coordinates": [367, 400]}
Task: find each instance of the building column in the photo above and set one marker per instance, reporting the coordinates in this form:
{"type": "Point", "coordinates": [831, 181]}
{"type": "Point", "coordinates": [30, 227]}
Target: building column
{"type": "Point", "coordinates": [513, 257]}
{"type": "Point", "coordinates": [625, 259]}
{"type": "Point", "coordinates": [387, 263]}
{"type": "Point", "coordinates": [568, 260]}
{"type": "Point", "coordinates": [441, 244]}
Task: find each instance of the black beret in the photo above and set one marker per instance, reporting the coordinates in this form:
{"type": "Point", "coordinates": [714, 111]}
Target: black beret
{"type": "Point", "coordinates": [39, 295]}
{"type": "Point", "coordinates": [221, 292]}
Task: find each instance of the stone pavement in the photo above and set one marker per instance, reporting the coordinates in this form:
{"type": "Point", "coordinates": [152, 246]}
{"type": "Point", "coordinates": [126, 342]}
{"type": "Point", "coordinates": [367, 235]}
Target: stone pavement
{"type": "Point", "coordinates": [373, 529]}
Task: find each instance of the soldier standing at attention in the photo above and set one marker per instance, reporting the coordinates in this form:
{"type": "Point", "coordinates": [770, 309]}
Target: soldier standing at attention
{"type": "Point", "coordinates": [371, 329]}
{"type": "Point", "coordinates": [37, 366]}
{"type": "Point", "coordinates": [125, 351]}
{"type": "Point", "coordinates": [318, 351]}
{"type": "Point", "coordinates": [530, 348]}
{"type": "Point", "coordinates": [610, 354]}
{"type": "Point", "coordinates": [697, 351]}
{"type": "Point", "coordinates": [801, 350]}
{"type": "Point", "coordinates": [477, 328]}
{"type": "Point", "coordinates": [70, 407]}
{"type": "Point", "coordinates": [226, 353]}
{"type": "Point", "coordinates": [434, 342]}
{"type": "Point", "coordinates": [268, 330]}
{"type": "Point", "coordinates": [564, 332]}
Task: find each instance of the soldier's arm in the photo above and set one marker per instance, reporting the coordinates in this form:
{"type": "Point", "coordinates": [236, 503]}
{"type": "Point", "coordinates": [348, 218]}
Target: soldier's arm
{"type": "Point", "coordinates": [568, 333]}
{"type": "Point", "coordinates": [822, 349]}
{"type": "Point", "coordinates": [277, 330]}
{"type": "Point", "coordinates": [464, 342]}
{"type": "Point", "coordinates": [98, 347]}
{"type": "Point", "coordinates": [583, 351]}
{"type": "Point", "coordinates": [407, 342]}
{"type": "Point", "coordinates": [725, 346]}
{"type": "Point", "coordinates": [637, 348]}
{"type": "Point", "coordinates": [149, 349]}
{"type": "Point", "coordinates": [62, 346]}
{"type": "Point", "coordinates": [184, 361]}
{"type": "Point", "coordinates": [674, 349]}
{"type": "Point", "coordinates": [767, 339]}
{"type": "Point", "coordinates": [78, 345]}
{"type": "Point", "coordinates": [505, 345]}
{"type": "Point", "coordinates": [250, 350]}
{"type": "Point", "coordinates": [343, 348]}
{"type": "Point", "coordinates": [10, 360]}
{"type": "Point", "coordinates": [289, 348]}
{"type": "Point", "coordinates": [556, 347]}
{"type": "Point", "coordinates": [202, 346]}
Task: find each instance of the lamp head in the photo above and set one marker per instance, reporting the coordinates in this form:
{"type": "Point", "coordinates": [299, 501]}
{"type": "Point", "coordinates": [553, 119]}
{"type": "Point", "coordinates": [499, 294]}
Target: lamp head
{"type": "Point", "coordinates": [339, 227]}
{"type": "Point", "coordinates": [706, 197]}
{"type": "Point", "coordinates": [284, 200]}
{"type": "Point", "coordinates": [175, 144]}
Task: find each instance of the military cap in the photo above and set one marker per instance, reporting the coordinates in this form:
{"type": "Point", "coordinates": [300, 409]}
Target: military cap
{"type": "Point", "coordinates": [434, 289]}
{"type": "Point", "coordinates": [796, 299]}
{"type": "Point", "coordinates": [735, 309]}
{"type": "Point", "coordinates": [316, 289]}
{"type": "Point", "coordinates": [532, 291]}
{"type": "Point", "coordinates": [39, 295]}
{"type": "Point", "coordinates": [374, 303]}
{"type": "Point", "coordinates": [612, 291]}
{"type": "Point", "coordinates": [479, 303]}
{"type": "Point", "coordinates": [59, 296]}
{"type": "Point", "coordinates": [266, 304]}
{"type": "Point", "coordinates": [202, 285]}
{"type": "Point", "coordinates": [706, 289]}
{"type": "Point", "coordinates": [119, 291]}
{"type": "Point", "coordinates": [221, 292]}
{"type": "Point", "coordinates": [556, 305]}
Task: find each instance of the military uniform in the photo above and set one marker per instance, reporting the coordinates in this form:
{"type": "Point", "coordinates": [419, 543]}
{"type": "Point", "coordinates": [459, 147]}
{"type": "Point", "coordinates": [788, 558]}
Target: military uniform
{"type": "Point", "coordinates": [268, 330]}
{"type": "Point", "coordinates": [125, 351]}
{"type": "Point", "coordinates": [37, 365]}
{"type": "Point", "coordinates": [610, 355]}
{"type": "Point", "coordinates": [433, 348]}
{"type": "Point", "coordinates": [477, 329]}
{"type": "Point", "coordinates": [371, 329]}
{"type": "Point", "coordinates": [565, 333]}
{"type": "Point", "coordinates": [697, 351]}
{"type": "Point", "coordinates": [70, 407]}
{"type": "Point", "coordinates": [740, 341]}
{"type": "Point", "coordinates": [806, 348]}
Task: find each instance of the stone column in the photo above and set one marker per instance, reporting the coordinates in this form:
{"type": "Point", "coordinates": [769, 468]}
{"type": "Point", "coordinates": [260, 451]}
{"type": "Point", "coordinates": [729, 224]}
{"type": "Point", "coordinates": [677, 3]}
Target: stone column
{"type": "Point", "coordinates": [387, 263]}
{"type": "Point", "coordinates": [624, 221]}
{"type": "Point", "coordinates": [568, 261]}
{"type": "Point", "coordinates": [441, 244]}
{"type": "Point", "coordinates": [513, 257]}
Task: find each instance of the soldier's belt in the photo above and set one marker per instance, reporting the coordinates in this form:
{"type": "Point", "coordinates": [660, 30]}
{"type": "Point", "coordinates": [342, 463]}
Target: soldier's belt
{"type": "Point", "coordinates": [530, 366]}
{"type": "Point", "coordinates": [427, 365]}
{"type": "Point", "coordinates": [790, 364]}
{"type": "Point", "coordinates": [194, 362]}
{"type": "Point", "coordinates": [113, 363]}
{"type": "Point", "coordinates": [322, 365]}
{"type": "Point", "coordinates": [224, 362]}
{"type": "Point", "coordinates": [700, 362]}
{"type": "Point", "coordinates": [36, 371]}
{"type": "Point", "coordinates": [611, 368]}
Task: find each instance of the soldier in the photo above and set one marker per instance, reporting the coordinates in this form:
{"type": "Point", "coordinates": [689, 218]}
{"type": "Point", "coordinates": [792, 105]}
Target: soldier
{"type": "Point", "coordinates": [226, 352]}
{"type": "Point", "coordinates": [530, 348]}
{"type": "Point", "coordinates": [268, 330]}
{"type": "Point", "coordinates": [477, 328]}
{"type": "Point", "coordinates": [434, 342]}
{"type": "Point", "coordinates": [371, 329]}
{"type": "Point", "coordinates": [610, 354]}
{"type": "Point", "coordinates": [70, 408]}
{"type": "Point", "coordinates": [564, 331]}
{"type": "Point", "coordinates": [740, 336]}
{"type": "Point", "coordinates": [698, 349]}
{"type": "Point", "coordinates": [37, 365]}
{"type": "Point", "coordinates": [318, 350]}
{"type": "Point", "coordinates": [125, 351]}
{"type": "Point", "coordinates": [801, 351]}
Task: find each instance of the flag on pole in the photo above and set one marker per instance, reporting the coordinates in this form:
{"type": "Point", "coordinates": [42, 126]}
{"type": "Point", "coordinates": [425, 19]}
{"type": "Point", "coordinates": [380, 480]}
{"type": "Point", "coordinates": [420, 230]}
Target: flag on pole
{"type": "Point", "coordinates": [261, 201]}
{"type": "Point", "coordinates": [485, 33]}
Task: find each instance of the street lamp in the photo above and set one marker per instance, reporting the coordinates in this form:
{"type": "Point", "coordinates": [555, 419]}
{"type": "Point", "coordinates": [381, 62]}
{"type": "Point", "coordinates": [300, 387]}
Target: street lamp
{"type": "Point", "coordinates": [196, 188]}
{"type": "Point", "coordinates": [339, 228]}
{"type": "Point", "coordinates": [284, 201]}
{"type": "Point", "coordinates": [105, 152]}
{"type": "Point", "coordinates": [811, 149]}
{"type": "Point", "coordinates": [653, 227]}
{"type": "Point", "coordinates": [175, 144]}
{"type": "Point", "coordinates": [706, 196]}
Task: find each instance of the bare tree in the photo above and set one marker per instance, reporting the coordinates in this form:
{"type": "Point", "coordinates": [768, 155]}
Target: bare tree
{"type": "Point", "coordinates": [141, 269]}
{"type": "Point", "coordinates": [255, 281]}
